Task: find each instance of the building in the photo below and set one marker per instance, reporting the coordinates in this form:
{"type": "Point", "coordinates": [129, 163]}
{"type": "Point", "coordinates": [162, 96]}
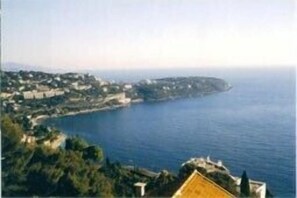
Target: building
{"type": "Point", "coordinates": [28, 95]}
{"type": "Point", "coordinates": [105, 89]}
{"type": "Point", "coordinates": [208, 164]}
{"type": "Point", "coordinates": [5, 95]}
{"type": "Point", "coordinates": [39, 95]}
{"type": "Point", "coordinates": [256, 187]}
{"type": "Point", "coordinates": [127, 86]}
{"type": "Point", "coordinates": [49, 94]}
{"type": "Point", "coordinates": [199, 186]}
{"type": "Point", "coordinates": [28, 139]}
{"type": "Point", "coordinates": [76, 86]}
{"type": "Point", "coordinates": [43, 88]}
{"type": "Point", "coordinates": [140, 189]}
{"type": "Point", "coordinates": [59, 93]}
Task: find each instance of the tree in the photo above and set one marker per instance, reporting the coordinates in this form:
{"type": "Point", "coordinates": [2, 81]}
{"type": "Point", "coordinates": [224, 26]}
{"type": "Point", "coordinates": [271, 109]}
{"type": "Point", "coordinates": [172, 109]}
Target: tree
{"type": "Point", "coordinates": [93, 153]}
{"type": "Point", "coordinates": [41, 171]}
{"type": "Point", "coordinates": [14, 159]}
{"type": "Point", "coordinates": [75, 144]}
{"type": "Point", "coordinates": [40, 131]}
{"type": "Point", "coordinates": [244, 185]}
{"type": "Point", "coordinates": [11, 135]}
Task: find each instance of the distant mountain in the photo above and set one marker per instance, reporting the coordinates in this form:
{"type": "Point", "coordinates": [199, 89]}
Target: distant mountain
{"type": "Point", "coordinates": [12, 66]}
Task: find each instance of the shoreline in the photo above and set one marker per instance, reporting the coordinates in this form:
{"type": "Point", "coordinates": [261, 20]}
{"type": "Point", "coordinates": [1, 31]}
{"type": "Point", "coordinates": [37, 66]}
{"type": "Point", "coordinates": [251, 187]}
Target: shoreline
{"type": "Point", "coordinates": [63, 136]}
{"type": "Point", "coordinates": [39, 119]}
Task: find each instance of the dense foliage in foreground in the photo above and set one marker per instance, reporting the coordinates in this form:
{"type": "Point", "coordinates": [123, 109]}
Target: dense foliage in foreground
{"type": "Point", "coordinates": [76, 170]}
{"type": "Point", "coordinates": [38, 170]}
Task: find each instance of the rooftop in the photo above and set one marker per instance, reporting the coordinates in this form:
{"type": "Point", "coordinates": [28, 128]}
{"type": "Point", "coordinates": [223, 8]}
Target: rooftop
{"type": "Point", "coordinates": [200, 187]}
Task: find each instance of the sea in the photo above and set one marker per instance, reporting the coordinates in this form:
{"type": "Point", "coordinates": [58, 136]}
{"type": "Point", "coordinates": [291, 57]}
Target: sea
{"type": "Point", "coordinates": [251, 127]}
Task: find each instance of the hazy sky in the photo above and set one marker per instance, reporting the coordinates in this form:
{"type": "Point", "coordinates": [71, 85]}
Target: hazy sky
{"type": "Point", "coordinates": [98, 34]}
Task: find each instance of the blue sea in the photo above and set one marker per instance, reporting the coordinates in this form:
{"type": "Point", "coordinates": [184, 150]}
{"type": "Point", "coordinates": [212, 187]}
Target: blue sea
{"type": "Point", "coordinates": [251, 127]}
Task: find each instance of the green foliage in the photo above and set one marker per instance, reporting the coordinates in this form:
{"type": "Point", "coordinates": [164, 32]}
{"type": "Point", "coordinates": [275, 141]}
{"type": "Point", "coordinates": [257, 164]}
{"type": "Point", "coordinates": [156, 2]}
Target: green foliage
{"type": "Point", "coordinates": [123, 178]}
{"type": "Point", "coordinates": [186, 170]}
{"type": "Point", "coordinates": [170, 88]}
{"type": "Point", "coordinates": [40, 131]}
{"type": "Point", "coordinates": [245, 185]}
{"type": "Point", "coordinates": [26, 123]}
{"type": "Point", "coordinates": [164, 185]}
{"type": "Point", "coordinates": [41, 171]}
{"type": "Point", "coordinates": [75, 144]}
{"type": "Point", "coordinates": [224, 181]}
{"type": "Point", "coordinates": [11, 135]}
{"type": "Point", "coordinates": [164, 178]}
{"type": "Point", "coordinates": [93, 153]}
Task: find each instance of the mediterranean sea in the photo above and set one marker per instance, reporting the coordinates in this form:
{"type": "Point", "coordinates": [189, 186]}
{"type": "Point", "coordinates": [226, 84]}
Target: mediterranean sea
{"type": "Point", "coordinates": [251, 127]}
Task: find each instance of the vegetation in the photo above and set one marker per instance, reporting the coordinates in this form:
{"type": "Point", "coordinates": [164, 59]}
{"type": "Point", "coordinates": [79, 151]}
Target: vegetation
{"type": "Point", "coordinates": [171, 88]}
{"type": "Point", "coordinates": [76, 170]}
{"type": "Point", "coordinates": [245, 185]}
{"type": "Point", "coordinates": [41, 171]}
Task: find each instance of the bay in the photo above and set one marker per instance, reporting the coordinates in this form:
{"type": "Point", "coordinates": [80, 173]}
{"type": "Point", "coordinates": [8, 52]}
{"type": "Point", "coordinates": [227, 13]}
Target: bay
{"type": "Point", "coordinates": [251, 127]}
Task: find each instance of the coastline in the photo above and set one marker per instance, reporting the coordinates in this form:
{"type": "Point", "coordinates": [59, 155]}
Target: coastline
{"type": "Point", "coordinates": [62, 136]}
{"type": "Point", "coordinates": [39, 119]}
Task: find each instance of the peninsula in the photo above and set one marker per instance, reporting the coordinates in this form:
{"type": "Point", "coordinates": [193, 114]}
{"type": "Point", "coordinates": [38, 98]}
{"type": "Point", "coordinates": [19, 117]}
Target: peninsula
{"type": "Point", "coordinates": [38, 94]}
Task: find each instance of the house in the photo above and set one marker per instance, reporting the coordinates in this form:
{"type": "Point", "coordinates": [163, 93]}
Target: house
{"type": "Point", "coordinates": [127, 86]}
{"type": "Point", "coordinates": [256, 187]}
{"type": "Point", "coordinates": [208, 164]}
{"type": "Point", "coordinates": [39, 95]}
{"type": "Point", "coordinates": [43, 88]}
{"type": "Point", "coordinates": [59, 93]}
{"type": "Point", "coordinates": [140, 189]}
{"type": "Point", "coordinates": [28, 95]}
{"type": "Point", "coordinates": [5, 95]}
{"type": "Point", "coordinates": [28, 139]}
{"type": "Point", "coordinates": [21, 88]}
{"type": "Point", "coordinates": [104, 89]}
{"type": "Point", "coordinates": [49, 94]}
{"type": "Point", "coordinates": [199, 186]}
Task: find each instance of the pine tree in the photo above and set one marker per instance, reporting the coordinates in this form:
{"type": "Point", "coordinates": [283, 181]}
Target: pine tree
{"type": "Point", "coordinates": [244, 185]}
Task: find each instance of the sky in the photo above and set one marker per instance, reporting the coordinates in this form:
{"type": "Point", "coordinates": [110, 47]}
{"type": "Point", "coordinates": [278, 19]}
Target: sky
{"type": "Point", "coordinates": [134, 34]}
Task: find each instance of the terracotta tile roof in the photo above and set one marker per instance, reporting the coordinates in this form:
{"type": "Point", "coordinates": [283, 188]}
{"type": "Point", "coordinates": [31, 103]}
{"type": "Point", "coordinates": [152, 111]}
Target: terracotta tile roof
{"type": "Point", "coordinates": [197, 186]}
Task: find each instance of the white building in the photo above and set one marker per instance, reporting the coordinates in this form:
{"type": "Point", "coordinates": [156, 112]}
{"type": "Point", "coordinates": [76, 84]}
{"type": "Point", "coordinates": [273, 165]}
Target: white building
{"type": "Point", "coordinates": [43, 88]}
{"type": "Point", "coordinates": [105, 89]}
{"type": "Point", "coordinates": [49, 94]}
{"type": "Point", "coordinates": [5, 95]}
{"type": "Point", "coordinates": [28, 95]}
{"type": "Point", "coordinates": [39, 95]}
{"type": "Point", "coordinates": [257, 187]}
{"type": "Point", "coordinates": [208, 164]}
{"type": "Point", "coordinates": [59, 93]}
{"type": "Point", "coordinates": [127, 86]}
{"type": "Point", "coordinates": [140, 189]}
